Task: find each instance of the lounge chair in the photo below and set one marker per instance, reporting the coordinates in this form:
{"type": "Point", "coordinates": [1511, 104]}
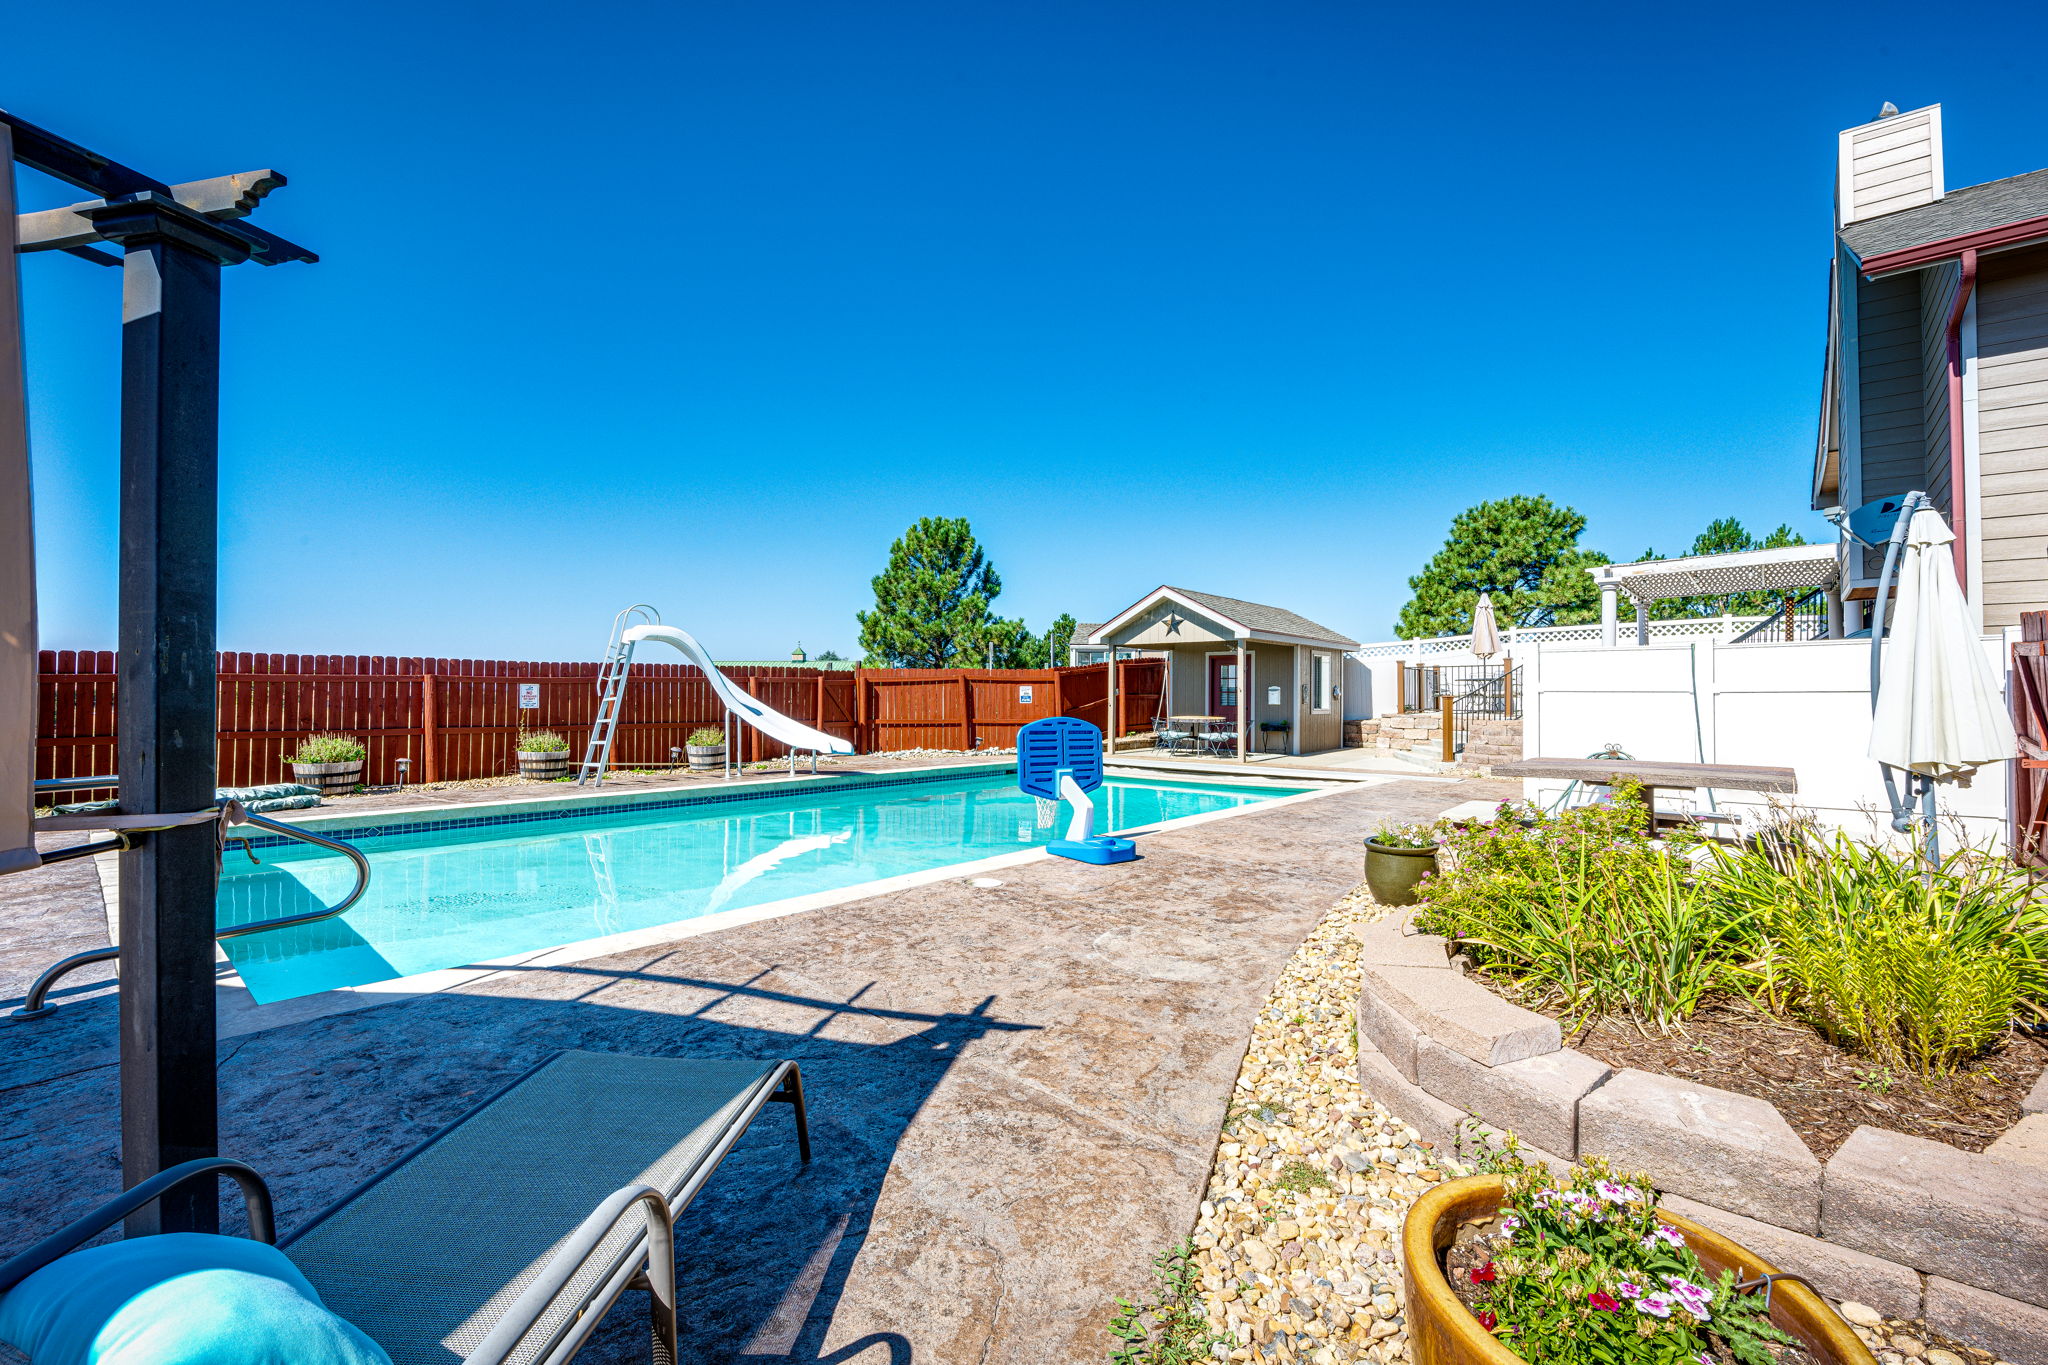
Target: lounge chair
{"type": "Point", "coordinates": [505, 1237]}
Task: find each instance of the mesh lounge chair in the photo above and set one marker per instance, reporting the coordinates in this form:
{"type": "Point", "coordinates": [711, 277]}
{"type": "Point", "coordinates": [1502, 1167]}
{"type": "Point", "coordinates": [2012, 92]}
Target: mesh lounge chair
{"type": "Point", "coordinates": [504, 1238]}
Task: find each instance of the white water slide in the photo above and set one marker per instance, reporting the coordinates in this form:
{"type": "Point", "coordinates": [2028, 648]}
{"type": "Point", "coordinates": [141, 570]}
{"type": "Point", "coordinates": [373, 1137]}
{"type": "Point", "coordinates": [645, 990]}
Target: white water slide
{"type": "Point", "coordinates": [749, 709]}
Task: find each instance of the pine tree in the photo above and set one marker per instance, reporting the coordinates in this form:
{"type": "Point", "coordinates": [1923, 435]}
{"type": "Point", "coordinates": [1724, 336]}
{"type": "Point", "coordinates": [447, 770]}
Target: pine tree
{"type": "Point", "coordinates": [932, 603]}
{"type": "Point", "coordinates": [1524, 550]}
{"type": "Point", "coordinates": [1059, 641]}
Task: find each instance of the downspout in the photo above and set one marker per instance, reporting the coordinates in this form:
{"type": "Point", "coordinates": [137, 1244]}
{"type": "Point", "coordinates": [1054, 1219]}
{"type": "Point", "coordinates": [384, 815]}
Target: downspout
{"type": "Point", "coordinates": [1966, 284]}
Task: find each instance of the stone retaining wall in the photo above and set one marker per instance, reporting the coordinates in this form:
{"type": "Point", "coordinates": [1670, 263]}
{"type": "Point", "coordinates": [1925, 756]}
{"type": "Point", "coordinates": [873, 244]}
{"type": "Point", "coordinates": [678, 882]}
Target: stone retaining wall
{"type": "Point", "coordinates": [1915, 1228]}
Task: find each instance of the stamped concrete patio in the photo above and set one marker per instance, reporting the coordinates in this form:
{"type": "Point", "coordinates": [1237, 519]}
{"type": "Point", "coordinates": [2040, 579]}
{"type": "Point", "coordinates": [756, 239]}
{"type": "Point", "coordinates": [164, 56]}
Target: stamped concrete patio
{"type": "Point", "coordinates": [1015, 1090]}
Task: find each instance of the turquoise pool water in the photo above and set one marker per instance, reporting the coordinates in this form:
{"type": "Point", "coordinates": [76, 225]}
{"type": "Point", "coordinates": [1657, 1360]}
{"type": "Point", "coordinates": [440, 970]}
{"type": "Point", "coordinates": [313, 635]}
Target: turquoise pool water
{"type": "Point", "coordinates": [447, 898]}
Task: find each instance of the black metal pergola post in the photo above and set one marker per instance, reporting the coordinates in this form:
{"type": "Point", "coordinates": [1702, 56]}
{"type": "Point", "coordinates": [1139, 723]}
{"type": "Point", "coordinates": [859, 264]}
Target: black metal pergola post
{"type": "Point", "coordinates": [174, 241]}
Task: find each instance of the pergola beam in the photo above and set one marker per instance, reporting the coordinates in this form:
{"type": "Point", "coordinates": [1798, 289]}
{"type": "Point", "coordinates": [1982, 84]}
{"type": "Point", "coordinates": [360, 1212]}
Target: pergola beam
{"type": "Point", "coordinates": [223, 199]}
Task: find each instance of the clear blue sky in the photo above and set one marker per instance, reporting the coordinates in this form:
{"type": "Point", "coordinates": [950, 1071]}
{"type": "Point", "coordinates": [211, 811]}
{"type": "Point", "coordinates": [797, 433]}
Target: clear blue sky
{"type": "Point", "coordinates": [702, 304]}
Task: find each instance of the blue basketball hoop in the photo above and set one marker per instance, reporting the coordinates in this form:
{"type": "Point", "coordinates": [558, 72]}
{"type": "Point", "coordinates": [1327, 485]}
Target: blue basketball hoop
{"type": "Point", "coordinates": [1060, 759]}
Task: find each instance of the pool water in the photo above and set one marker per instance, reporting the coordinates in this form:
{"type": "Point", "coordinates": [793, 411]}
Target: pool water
{"type": "Point", "coordinates": [448, 898]}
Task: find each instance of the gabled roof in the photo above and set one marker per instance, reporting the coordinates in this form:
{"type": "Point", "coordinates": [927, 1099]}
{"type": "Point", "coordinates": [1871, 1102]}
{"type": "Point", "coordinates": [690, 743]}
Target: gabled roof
{"type": "Point", "coordinates": [1247, 618]}
{"type": "Point", "coordinates": [1973, 209]}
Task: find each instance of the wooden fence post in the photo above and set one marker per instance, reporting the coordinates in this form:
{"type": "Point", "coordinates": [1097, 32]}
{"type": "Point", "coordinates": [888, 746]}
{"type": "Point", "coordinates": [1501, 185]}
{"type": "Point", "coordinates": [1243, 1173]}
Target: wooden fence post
{"type": "Point", "coordinates": [862, 740]}
{"type": "Point", "coordinates": [1447, 704]}
{"type": "Point", "coordinates": [966, 711]}
{"type": "Point", "coordinates": [430, 737]}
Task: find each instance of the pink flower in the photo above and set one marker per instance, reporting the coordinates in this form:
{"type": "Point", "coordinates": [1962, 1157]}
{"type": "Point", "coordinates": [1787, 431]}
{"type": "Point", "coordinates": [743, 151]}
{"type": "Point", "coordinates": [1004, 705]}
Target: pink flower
{"type": "Point", "coordinates": [1488, 1320]}
{"type": "Point", "coordinates": [1667, 1234]}
{"type": "Point", "coordinates": [1606, 1303]}
{"type": "Point", "coordinates": [1629, 1289]}
{"type": "Point", "coordinates": [1656, 1305]}
{"type": "Point", "coordinates": [1485, 1274]}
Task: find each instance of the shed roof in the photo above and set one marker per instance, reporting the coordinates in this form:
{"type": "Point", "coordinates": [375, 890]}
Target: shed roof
{"type": "Point", "coordinates": [1971, 209]}
{"type": "Point", "coordinates": [1250, 618]}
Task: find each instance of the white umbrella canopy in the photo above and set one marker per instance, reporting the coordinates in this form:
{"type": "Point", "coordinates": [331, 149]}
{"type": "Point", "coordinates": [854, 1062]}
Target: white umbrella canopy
{"type": "Point", "coordinates": [1485, 629]}
{"type": "Point", "coordinates": [1939, 710]}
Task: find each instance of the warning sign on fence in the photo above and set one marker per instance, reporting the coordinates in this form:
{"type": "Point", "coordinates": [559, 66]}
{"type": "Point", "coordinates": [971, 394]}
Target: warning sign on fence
{"type": "Point", "coordinates": [529, 696]}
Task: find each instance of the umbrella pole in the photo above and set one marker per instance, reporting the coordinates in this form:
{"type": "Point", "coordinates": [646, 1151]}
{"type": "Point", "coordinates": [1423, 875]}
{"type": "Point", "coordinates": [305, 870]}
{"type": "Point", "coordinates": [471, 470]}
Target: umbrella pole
{"type": "Point", "coordinates": [1901, 806]}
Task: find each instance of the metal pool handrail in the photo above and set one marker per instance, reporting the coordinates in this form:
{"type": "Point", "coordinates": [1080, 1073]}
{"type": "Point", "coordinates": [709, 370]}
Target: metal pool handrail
{"type": "Point", "coordinates": [32, 1006]}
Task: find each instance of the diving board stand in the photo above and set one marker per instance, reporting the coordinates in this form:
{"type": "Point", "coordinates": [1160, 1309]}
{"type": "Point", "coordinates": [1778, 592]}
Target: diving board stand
{"type": "Point", "coordinates": [1060, 759]}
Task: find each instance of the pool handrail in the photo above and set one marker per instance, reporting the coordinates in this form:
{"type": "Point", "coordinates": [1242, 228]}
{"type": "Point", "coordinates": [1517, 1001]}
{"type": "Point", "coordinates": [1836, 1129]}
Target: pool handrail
{"type": "Point", "coordinates": [233, 812]}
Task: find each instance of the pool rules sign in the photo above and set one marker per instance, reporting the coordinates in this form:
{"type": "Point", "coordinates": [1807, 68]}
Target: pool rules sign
{"type": "Point", "coordinates": [529, 696]}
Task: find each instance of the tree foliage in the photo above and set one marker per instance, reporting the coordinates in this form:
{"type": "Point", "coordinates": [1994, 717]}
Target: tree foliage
{"type": "Point", "coordinates": [1525, 551]}
{"type": "Point", "coordinates": [933, 605]}
{"type": "Point", "coordinates": [1058, 641]}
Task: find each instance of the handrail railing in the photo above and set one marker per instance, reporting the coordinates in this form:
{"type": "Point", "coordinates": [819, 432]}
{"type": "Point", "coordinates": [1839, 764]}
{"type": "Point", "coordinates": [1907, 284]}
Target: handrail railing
{"type": "Point", "coordinates": [33, 1006]}
{"type": "Point", "coordinates": [1777, 618]}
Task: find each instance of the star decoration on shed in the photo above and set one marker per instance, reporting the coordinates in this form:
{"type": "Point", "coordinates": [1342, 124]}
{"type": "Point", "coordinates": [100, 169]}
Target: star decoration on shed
{"type": "Point", "coordinates": [1173, 623]}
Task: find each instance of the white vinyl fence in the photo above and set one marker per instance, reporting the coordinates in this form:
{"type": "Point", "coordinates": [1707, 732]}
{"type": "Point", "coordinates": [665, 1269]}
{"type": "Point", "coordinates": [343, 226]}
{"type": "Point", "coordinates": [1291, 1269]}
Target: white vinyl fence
{"type": "Point", "coordinates": [1804, 706]}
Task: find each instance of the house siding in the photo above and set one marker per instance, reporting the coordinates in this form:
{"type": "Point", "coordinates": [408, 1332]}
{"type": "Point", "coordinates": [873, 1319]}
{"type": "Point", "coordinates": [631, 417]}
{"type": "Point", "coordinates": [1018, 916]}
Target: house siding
{"type": "Point", "coordinates": [2012, 424]}
{"type": "Point", "coordinates": [1889, 165]}
{"type": "Point", "coordinates": [1891, 433]}
{"type": "Point", "coordinates": [1937, 296]}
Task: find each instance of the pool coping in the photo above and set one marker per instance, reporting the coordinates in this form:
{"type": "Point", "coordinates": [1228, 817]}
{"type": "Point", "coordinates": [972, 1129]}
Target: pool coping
{"type": "Point", "coordinates": [238, 1012]}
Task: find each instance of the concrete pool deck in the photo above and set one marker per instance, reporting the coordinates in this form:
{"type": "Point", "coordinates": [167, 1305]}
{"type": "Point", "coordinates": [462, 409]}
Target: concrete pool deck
{"type": "Point", "coordinates": [1015, 1090]}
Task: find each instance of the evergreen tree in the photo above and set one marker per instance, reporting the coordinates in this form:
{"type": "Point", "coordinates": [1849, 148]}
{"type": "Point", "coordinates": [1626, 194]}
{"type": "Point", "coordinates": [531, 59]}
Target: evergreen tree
{"type": "Point", "coordinates": [1058, 642]}
{"type": "Point", "coordinates": [932, 602]}
{"type": "Point", "coordinates": [1525, 551]}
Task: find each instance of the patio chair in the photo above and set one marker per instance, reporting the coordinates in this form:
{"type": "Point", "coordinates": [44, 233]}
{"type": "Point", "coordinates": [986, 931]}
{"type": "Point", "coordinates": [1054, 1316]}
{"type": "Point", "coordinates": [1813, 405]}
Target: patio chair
{"type": "Point", "coordinates": [506, 1237]}
{"type": "Point", "coordinates": [1220, 740]}
{"type": "Point", "coordinates": [1169, 736]}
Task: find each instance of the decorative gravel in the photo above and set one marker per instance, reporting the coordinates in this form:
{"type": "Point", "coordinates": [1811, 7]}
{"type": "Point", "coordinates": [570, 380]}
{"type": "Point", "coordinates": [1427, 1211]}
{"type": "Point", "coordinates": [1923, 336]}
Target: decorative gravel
{"type": "Point", "coordinates": [1297, 1245]}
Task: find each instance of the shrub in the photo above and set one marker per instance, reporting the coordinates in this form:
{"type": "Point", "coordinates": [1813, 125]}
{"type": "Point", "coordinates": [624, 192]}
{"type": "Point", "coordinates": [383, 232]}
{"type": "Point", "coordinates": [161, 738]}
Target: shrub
{"type": "Point", "coordinates": [1584, 911]}
{"type": "Point", "coordinates": [1403, 836]}
{"type": "Point", "coordinates": [329, 749]}
{"type": "Point", "coordinates": [1585, 1273]}
{"type": "Point", "coordinates": [541, 742]}
{"type": "Point", "coordinates": [708, 738]}
{"type": "Point", "coordinates": [1919, 966]}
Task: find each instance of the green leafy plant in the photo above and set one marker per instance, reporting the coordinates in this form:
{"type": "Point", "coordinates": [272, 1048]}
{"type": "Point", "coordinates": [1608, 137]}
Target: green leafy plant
{"type": "Point", "coordinates": [1584, 1272]}
{"type": "Point", "coordinates": [1584, 911]}
{"type": "Point", "coordinates": [541, 742]}
{"type": "Point", "coordinates": [1299, 1177]}
{"type": "Point", "coordinates": [1918, 966]}
{"type": "Point", "coordinates": [329, 749]}
{"type": "Point", "coordinates": [711, 737]}
{"type": "Point", "coordinates": [1403, 836]}
{"type": "Point", "coordinates": [1171, 1328]}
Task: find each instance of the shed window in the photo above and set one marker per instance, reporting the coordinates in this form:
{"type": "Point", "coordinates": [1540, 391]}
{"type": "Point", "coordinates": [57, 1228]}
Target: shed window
{"type": "Point", "coordinates": [1321, 683]}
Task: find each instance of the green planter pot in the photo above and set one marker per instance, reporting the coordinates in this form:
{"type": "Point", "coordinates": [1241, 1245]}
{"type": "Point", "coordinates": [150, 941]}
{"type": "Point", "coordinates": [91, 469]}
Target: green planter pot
{"type": "Point", "coordinates": [1393, 873]}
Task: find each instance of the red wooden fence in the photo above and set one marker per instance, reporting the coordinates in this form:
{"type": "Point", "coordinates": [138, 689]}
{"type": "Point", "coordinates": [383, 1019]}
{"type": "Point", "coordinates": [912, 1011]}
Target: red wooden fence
{"type": "Point", "coordinates": [458, 718]}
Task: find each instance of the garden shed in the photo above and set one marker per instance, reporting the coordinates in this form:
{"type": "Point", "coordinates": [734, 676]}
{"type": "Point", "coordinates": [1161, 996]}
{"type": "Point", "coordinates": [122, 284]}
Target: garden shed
{"type": "Point", "coordinates": [1273, 677]}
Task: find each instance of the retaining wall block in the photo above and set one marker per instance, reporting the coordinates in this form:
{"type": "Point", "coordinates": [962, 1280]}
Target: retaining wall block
{"type": "Point", "coordinates": [1388, 1030]}
{"type": "Point", "coordinates": [2025, 1142]}
{"type": "Point", "coordinates": [1971, 1218]}
{"type": "Point", "coordinates": [2017, 1331]}
{"type": "Point", "coordinates": [1838, 1272]}
{"type": "Point", "coordinates": [1536, 1098]}
{"type": "Point", "coordinates": [1446, 1127]}
{"type": "Point", "coordinates": [1463, 1015]}
{"type": "Point", "coordinates": [1391, 942]}
{"type": "Point", "coordinates": [1731, 1151]}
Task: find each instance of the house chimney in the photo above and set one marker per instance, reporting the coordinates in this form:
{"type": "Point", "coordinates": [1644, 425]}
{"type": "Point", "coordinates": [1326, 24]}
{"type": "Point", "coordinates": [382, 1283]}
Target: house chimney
{"type": "Point", "coordinates": [1891, 164]}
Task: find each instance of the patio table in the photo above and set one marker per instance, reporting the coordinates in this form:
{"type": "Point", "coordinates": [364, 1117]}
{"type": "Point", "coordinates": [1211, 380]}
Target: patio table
{"type": "Point", "coordinates": [1651, 776]}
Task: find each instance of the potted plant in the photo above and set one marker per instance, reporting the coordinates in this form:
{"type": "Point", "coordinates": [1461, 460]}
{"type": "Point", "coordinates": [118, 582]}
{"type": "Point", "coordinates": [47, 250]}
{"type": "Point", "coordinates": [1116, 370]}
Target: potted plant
{"type": "Point", "coordinates": [1397, 858]}
{"type": "Point", "coordinates": [707, 748]}
{"type": "Point", "coordinates": [333, 764]}
{"type": "Point", "coordinates": [1522, 1267]}
{"type": "Point", "coordinates": [543, 755]}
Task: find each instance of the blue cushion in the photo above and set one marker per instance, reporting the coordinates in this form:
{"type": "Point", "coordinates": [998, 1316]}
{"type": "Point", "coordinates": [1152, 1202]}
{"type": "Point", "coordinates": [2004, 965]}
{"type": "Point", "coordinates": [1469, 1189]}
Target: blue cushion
{"type": "Point", "coordinates": [181, 1298]}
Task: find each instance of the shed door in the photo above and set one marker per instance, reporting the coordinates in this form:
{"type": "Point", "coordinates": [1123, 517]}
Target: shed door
{"type": "Point", "coordinates": [1223, 682]}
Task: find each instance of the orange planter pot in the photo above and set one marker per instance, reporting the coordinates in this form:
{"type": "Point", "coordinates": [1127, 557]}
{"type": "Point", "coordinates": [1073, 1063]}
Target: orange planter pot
{"type": "Point", "coordinates": [1442, 1332]}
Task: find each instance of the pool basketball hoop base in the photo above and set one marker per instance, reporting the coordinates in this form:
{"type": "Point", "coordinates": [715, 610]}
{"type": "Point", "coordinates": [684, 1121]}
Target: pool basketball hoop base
{"type": "Point", "coordinates": [1060, 759]}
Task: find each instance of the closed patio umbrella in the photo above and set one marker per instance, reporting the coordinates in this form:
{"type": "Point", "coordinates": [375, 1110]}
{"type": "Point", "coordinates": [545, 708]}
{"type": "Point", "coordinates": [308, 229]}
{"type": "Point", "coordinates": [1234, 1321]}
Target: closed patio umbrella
{"type": "Point", "coordinates": [1485, 629]}
{"type": "Point", "coordinates": [1939, 712]}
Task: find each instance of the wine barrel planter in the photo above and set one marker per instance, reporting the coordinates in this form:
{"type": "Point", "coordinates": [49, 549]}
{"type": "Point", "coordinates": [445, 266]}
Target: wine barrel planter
{"type": "Point", "coordinates": [1393, 873]}
{"type": "Point", "coordinates": [706, 756]}
{"type": "Point", "coordinates": [332, 779]}
{"type": "Point", "coordinates": [543, 765]}
{"type": "Point", "coordinates": [1442, 1332]}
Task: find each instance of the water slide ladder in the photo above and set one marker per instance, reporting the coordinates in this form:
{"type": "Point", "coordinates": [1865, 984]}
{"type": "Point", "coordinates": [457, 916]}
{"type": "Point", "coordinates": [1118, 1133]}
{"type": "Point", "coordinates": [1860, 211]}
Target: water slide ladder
{"type": "Point", "coordinates": [611, 693]}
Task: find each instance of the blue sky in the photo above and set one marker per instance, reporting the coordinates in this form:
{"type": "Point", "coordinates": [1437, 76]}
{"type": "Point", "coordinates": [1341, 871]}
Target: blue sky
{"type": "Point", "coordinates": [702, 304]}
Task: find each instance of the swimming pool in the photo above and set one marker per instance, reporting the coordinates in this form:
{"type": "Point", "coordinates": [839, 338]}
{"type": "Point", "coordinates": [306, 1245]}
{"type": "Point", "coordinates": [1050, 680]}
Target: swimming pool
{"type": "Point", "coordinates": [450, 897]}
